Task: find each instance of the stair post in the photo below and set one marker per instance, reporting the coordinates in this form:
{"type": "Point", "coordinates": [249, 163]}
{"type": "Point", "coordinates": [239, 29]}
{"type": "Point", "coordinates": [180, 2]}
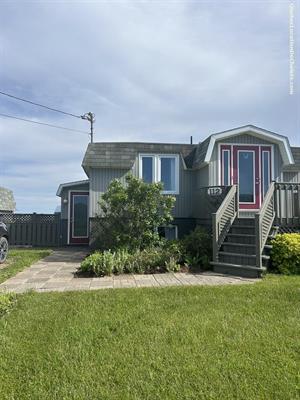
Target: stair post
{"type": "Point", "coordinates": [214, 236]}
{"type": "Point", "coordinates": [258, 241]}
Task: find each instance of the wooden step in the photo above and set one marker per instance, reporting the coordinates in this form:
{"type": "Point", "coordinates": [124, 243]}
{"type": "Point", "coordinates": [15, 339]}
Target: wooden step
{"type": "Point", "coordinates": [248, 271]}
{"type": "Point", "coordinates": [268, 246]}
{"type": "Point", "coordinates": [244, 221]}
{"type": "Point", "coordinates": [242, 229]}
{"type": "Point", "coordinates": [239, 258]}
{"type": "Point", "coordinates": [240, 238]}
{"type": "Point", "coordinates": [234, 247]}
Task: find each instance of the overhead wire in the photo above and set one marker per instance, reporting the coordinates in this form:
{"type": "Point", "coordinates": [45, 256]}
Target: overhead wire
{"type": "Point", "coordinates": [43, 123]}
{"type": "Point", "coordinates": [39, 105]}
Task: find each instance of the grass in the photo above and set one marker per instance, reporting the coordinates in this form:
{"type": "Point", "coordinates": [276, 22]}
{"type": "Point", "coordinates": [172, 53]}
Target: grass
{"type": "Point", "coordinates": [227, 342]}
{"type": "Point", "coordinates": [19, 259]}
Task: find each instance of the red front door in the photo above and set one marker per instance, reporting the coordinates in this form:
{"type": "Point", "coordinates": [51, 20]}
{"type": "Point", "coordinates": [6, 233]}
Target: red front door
{"type": "Point", "coordinates": [247, 175]}
{"type": "Point", "coordinates": [79, 218]}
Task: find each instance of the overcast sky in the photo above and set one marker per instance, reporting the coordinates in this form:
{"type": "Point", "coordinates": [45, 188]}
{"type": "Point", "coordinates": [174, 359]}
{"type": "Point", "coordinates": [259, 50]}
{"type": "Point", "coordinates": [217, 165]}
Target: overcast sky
{"type": "Point", "coordinates": [151, 71]}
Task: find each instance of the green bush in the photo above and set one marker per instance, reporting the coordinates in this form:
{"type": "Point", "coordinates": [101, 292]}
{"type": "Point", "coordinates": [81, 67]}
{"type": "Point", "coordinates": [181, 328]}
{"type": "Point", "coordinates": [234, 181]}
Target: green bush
{"type": "Point", "coordinates": [197, 248]}
{"type": "Point", "coordinates": [131, 214]}
{"type": "Point", "coordinates": [285, 254]}
{"type": "Point", "coordinates": [7, 301]}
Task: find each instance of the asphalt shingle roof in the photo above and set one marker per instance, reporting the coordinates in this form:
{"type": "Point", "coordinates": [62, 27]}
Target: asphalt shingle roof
{"type": "Point", "coordinates": [123, 155]}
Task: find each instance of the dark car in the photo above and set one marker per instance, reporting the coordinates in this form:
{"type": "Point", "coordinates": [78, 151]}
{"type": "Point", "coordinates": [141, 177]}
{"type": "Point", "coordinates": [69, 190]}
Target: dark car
{"type": "Point", "coordinates": [3, 242]}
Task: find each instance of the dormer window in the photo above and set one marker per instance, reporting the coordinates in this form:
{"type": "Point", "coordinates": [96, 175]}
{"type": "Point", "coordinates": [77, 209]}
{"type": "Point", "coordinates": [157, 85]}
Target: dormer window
{"type": "Point", "coordinates": [160, 168]}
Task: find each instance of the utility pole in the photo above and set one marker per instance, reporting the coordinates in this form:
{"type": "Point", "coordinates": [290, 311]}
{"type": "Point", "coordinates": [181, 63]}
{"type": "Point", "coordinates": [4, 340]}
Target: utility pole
{"type": "Point", "coordinates": [91, 118]}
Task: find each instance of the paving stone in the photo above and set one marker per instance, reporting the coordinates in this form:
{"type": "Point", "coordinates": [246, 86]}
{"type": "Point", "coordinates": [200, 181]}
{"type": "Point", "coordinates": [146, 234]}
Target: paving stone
{"type": "Point", "coordinates": [56, 273]}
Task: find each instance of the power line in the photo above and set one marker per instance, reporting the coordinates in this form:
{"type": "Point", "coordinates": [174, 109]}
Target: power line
{"type": "Point", "coordinates": [39, 105]}
{"type": "Point", "coordinates": [43, 123]}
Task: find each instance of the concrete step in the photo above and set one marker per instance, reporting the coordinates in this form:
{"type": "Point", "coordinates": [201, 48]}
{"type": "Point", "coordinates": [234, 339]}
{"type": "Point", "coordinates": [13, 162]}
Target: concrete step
{"type": "Point", "coordinates": [248, 271]}
{"type": "Point", "coordinates": [233, 247]}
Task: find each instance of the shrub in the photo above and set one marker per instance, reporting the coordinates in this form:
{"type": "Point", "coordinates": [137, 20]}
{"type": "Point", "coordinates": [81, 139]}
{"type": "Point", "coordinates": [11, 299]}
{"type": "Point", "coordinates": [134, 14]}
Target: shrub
{"type": "Point", "coordinates": [197, 248]}
{"type": "Point", "coordinates": [131, 215]}
{"type": "Point", "coordinates": [7, 300]}
{"type": "Point", "coordinates": [285, 254]}
{"type": "Point", "coordinates": [149, 260]}
{"type": "Point", "coordinates": [98, 263]}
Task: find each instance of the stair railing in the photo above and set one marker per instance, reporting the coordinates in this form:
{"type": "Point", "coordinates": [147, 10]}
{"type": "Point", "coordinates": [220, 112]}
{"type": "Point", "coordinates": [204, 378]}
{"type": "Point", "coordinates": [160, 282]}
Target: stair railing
{"type": "Point", "coordinates": [263, 223]}
{"type": "Point", "coordinates": [223, 219]}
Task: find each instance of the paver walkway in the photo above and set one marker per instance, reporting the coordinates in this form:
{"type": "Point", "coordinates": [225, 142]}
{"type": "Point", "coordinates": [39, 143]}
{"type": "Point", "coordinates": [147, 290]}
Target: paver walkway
{"type": "Point", "coordinates": [57, 273]}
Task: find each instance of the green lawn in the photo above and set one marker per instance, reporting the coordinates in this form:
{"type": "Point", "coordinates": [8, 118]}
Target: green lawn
{"type": "Point", "coordinates": [19, 259]}
{"type": "Point", "coordinates": [229, 342]}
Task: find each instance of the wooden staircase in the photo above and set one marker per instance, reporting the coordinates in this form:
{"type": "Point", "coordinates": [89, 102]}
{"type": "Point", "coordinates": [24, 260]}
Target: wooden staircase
{"type": "Point", "coordinates": [237, 254]}
{"type": "Point", "coordinates": [240, 244]}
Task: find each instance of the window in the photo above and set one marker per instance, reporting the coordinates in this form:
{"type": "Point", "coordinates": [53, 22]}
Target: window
{"type": "Point", "coordinates": [161, 168]}
{"type": "Point", "coordinates": [168, 232]}
{"type": "Point", "coordinates": [226, 167]}
{"type": "Point", "coordinates": [266, 171]}
{"type": "Point", "coordinates": [147, 169]}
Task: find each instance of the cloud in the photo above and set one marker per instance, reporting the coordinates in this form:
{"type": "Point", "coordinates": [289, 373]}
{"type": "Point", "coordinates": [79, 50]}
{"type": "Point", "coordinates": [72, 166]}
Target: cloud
{"type": "Point", "coordinates": [152, 71]}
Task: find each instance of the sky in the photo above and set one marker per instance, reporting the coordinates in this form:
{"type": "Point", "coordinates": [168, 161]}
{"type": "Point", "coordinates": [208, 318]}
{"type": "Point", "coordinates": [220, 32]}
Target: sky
{"type": "Point", "coordinates": [156, 71]}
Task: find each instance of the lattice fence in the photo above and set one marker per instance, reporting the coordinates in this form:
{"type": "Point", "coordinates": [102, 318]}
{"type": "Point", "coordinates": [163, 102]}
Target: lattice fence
{"type": "Point", "coordinates": [33, 229]}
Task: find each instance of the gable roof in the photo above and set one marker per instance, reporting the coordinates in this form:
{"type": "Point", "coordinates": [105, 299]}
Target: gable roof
{"type": "Point", "coordinates": [281, 140]}
{"type": "Point", "coordinates": [69, 184]}
{"type": "Point", "coordinates": [122, 155]}
{"type": "Point", "coordinates": [7, 201]}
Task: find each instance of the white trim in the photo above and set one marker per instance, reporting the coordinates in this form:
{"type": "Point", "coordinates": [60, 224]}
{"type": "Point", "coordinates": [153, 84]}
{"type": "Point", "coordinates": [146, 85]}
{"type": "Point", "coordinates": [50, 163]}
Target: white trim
{"type": "Point", "coordinates": [282, 141]}
{"type": "Point", "coordinates": [68, 184]}
{"type": "Point", "coordinates": [69, 212]}
{"type": "Point", "coordinates": [141, 156]}
{"type": "Point", "coordinates": [156, 172]}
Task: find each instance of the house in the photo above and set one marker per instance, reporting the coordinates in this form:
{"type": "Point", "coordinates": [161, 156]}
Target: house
{"type": "Point", "coordinates": [7, 201]}
{"type": "Point", "coordinates": [239, 184]}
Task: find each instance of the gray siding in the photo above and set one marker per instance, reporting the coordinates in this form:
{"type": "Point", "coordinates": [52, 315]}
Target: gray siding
{"type": "Point", "coordinates": [202, 177]}
{"type": "Point", "coordinates": [291, 177]}
{"type": "Point", "coordinates": [100, 179]}
{"type": "Point", "coordinates": [65, 195]}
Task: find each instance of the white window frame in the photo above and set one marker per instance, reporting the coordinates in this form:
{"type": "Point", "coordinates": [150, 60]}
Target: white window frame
{"type": "Point", "coordinates": [141, 165]}
{"type": "Point", "coordinates": [157, 169]}
{"type": "Point", "coordinates": [253, 171]}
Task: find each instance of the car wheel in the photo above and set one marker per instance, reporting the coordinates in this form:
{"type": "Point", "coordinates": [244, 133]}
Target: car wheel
{"type": "Point", "coordinates": [3, 249]}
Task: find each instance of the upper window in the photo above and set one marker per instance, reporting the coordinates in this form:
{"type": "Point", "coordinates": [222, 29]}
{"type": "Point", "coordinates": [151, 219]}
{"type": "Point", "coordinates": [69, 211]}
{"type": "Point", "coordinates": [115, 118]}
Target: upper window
{"type": "Point", "coordinates": [161, 168]}
{"type": "Point", "coordinates": [147, 169]}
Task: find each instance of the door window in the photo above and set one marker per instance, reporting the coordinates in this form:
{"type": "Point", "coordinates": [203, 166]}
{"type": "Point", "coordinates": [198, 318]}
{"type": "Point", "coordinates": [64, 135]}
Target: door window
{"type": "Point", "coordinates": [246, 176]}
{"type": "Point", "coordinates": [80, 215]}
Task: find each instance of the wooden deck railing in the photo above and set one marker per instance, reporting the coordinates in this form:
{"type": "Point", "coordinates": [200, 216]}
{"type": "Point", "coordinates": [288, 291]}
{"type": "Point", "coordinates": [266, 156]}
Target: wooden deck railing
{"type": "Point", "coordinates": [287, 204]}
{"type": "Point", "coordinates": [263, 222]}
{"type": "Point", "coordinates": [223, 219]}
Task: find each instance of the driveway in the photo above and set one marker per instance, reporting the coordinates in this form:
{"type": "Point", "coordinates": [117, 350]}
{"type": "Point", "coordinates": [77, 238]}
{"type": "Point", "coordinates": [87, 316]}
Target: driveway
{"type": "Point", "coordinates": [57, 273]}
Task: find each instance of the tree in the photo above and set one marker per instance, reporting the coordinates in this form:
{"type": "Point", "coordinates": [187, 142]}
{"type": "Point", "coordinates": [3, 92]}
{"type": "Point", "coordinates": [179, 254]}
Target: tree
{"type": "Point", "coordinates": [131, 214]}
